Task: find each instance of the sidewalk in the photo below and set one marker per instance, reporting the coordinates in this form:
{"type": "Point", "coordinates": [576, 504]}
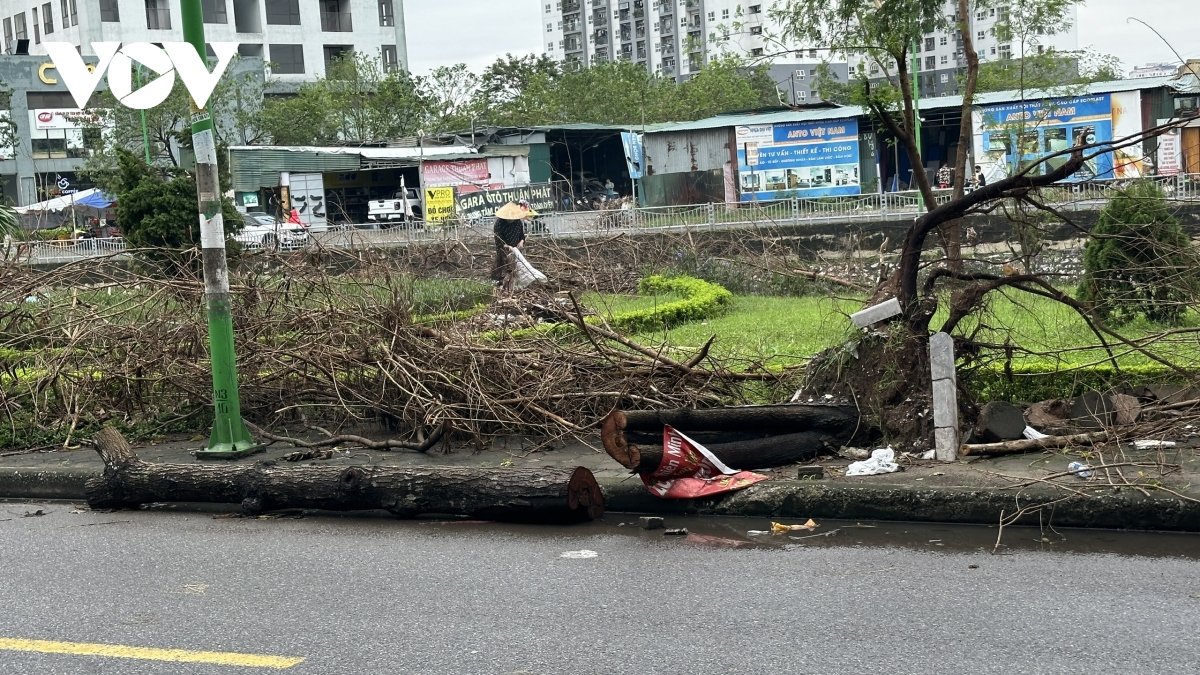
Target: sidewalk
{"type": "Point", "coordinates": [974, 491]}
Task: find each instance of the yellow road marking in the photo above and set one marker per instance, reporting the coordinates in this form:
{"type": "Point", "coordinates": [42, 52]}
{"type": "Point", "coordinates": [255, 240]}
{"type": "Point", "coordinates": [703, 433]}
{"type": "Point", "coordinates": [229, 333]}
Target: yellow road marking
{"type": "Point", "coordinates": [147, 653]}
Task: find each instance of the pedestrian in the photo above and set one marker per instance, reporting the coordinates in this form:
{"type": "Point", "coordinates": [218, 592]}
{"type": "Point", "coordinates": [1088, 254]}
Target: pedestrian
{"type": "Point", "coordinates": [609, 188]}
{"type": "Point", "coordinates": [980, 181]}
{"type": "Point", "coordinates": [509, 231]}
{"type": "Point", "coordinates": [943, 177]}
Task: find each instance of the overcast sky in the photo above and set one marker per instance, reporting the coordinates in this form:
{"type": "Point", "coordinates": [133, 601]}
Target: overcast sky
{"type": "Point", "coordinates": [444, 32]}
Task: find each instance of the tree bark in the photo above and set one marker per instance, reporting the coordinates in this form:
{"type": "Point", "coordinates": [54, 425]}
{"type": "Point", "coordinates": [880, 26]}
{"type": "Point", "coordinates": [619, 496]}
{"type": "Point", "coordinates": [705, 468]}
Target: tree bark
{"type": "Point", "coordinates": [778, 419]}
{"type": "Point", "coordinates": [634, 438]}
{"type": "Point", "coordinates": [515, 495]}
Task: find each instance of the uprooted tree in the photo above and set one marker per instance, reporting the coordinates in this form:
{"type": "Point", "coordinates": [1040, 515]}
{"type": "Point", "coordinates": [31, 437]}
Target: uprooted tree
{"type": "Point", "coordinates": [887, 373]}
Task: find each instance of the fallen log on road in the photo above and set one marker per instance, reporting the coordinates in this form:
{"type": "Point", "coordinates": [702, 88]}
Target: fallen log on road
{"type": "Point", "coordinates": [634, 438]}
{"type": "Point", "coordinates": [1030, 444]}
{"type": "Point", "coordinates": [513, 495]}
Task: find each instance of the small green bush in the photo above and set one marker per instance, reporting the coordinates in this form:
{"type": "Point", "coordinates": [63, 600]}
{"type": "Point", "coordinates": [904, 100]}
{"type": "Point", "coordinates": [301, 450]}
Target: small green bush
{"type": "Point", "coordinates": [1031, 382]}
{"type": "Point", "coordinates": [700, 300]}
{"type": "Point", "coordinates": [1139, 261]}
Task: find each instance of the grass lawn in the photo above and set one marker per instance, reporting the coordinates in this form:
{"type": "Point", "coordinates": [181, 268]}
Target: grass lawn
{"type": "Point", "coordinates": [787, 330]}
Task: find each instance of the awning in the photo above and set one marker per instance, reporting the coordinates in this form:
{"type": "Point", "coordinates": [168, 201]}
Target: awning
{"type": "Point", "coordinates": [86, 199]}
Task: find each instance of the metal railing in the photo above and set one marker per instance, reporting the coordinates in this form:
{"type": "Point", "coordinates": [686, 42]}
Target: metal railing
{"type": "Point", "coordinates": [889, 206]}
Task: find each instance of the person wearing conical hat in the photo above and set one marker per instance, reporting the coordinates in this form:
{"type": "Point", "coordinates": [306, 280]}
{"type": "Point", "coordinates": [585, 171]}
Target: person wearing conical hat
{"type": "Point", "coordinates": [510, 232]}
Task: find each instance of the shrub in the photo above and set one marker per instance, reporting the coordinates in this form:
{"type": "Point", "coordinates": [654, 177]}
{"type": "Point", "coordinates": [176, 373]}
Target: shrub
{"type": "Point", "coordinates": [1031, 382]}
{"type": "Point", "coordinates": [1139, 261]}
{"type": "Point", "coordinates": [700, 300]}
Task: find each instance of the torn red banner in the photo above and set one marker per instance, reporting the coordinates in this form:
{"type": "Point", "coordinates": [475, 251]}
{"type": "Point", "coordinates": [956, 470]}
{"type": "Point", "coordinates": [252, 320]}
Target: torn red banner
{"type": "Point", "coordinates": [689, 471]}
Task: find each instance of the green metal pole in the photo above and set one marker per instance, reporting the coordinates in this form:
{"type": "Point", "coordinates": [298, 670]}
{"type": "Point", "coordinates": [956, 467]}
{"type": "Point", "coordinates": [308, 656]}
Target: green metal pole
{"type": "Point", "coordinates": [916, 89]}
{"type": "Point", "coordinates": [230, 438]}
{"type": "Point", "coordinates": [145, 134]}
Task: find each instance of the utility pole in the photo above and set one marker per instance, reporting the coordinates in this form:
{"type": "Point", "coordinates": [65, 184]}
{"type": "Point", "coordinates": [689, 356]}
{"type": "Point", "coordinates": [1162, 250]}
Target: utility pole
{"type": "Point", "coordinates": [230, 438]}
{"type": "Point", "coordinates": [916, 89]}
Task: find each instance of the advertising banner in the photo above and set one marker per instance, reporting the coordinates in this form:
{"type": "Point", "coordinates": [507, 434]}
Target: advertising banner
{"type": "Point", "coordinates": [63, 118]}
{"type": "Point", "coordinates": [483, 205]}
{"type": "Point", "coordinates": [457, 172]}
{"type": "Point", "coordinates": [633, 154]}
{"type": "Point", "coordinates": [439, 204]}
{"type": "Point", "coordinates": [1170, 151]}
{"type": "Point", "coordinates": [1012, 136]}
{"type": "Point", "coordinates": [798, 159]}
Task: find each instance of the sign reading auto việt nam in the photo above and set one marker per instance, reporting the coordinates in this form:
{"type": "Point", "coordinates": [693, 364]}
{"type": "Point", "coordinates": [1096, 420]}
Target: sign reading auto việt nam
{"type": "Point", "coordinates": [117, 62]}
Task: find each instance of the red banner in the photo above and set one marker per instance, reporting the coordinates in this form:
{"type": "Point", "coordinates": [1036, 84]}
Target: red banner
{"type": "Point", "coordinates": [689, 471]}
{"type": "Point", "coordinates": [461, 172]}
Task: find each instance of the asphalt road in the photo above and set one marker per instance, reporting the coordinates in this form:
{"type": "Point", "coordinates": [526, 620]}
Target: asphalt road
{"type": "Point", "coordinates": [371, 595]}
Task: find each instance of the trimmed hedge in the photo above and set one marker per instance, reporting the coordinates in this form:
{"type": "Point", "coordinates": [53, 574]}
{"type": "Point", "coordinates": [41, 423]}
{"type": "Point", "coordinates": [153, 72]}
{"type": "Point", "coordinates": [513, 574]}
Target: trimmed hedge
{"type": "Point", "coordinates": [1039, 382]}
{"type": "Point", "coordinates": [701, 300]}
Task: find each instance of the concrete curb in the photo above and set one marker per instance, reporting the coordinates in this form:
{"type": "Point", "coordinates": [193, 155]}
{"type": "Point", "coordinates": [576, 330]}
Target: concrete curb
{"type": "Point", "coordinates": [805, 499]}
{"type": "Point", "coordinates": [814, 499]}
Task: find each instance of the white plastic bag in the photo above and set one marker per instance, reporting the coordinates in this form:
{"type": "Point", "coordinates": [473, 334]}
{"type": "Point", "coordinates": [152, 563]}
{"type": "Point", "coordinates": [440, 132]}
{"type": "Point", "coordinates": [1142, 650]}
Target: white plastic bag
{"type": "Point", "coordinates": [881, 461]}
{"type": "Point", "coordinates": [525, 273]}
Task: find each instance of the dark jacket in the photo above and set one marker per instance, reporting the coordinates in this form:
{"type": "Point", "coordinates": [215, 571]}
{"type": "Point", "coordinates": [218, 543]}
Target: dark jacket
{"type": "Point", "coordinates": [511, 232]}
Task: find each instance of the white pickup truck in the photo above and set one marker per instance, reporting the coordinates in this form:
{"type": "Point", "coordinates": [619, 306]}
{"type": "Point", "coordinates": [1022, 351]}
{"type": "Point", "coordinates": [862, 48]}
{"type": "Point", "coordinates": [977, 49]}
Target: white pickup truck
{"type": "Point", "coordinates": [405, 205]}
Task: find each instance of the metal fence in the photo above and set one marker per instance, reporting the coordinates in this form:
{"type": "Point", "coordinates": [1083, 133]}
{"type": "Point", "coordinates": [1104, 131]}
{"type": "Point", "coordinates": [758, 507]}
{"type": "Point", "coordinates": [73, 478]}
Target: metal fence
{"type": "Point", "coordinates": [851, 209]}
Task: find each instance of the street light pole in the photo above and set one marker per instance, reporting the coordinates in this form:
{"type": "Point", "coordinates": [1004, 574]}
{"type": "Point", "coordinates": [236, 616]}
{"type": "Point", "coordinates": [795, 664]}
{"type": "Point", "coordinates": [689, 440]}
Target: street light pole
{"type": "Point", "coordinates": [230, 438]}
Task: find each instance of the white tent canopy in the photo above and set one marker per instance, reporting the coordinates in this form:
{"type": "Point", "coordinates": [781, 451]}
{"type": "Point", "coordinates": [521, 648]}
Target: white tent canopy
{"type": "Point", "coordinates": [91, 199]}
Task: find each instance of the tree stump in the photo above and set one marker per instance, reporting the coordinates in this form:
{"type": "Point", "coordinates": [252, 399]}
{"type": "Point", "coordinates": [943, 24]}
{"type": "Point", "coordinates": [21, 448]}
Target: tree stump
{"type": "Point", "coordinates": [512, 495]}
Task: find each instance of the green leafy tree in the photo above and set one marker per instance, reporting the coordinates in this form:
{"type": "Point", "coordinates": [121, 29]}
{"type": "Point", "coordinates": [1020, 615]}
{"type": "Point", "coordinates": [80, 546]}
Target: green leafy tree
{"type": "Point", "coordinates": [452, 93]}
{"type": "Point", "coordinates": [355, 102]}
{"type": "Point", "coordinates": [157, 206]}
{"type": "Point", "coordinates": [511, 90]}
{"type": "Point", "coordinates": [1139, 261]}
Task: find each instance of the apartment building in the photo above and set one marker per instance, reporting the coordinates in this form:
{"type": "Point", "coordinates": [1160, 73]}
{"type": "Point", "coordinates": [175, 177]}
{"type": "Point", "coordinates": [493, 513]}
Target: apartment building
{"type": "Point", "coordinates": [673, 38]}
{"type": "Point", "coordinates": [298, 37]}
{"type": "Point", "coordinates": [941, 57]}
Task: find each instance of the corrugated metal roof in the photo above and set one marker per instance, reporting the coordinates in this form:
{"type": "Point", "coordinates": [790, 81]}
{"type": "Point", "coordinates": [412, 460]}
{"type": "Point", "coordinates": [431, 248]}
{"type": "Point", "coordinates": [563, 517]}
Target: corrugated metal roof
{"type": "Point", "coordinates": [939, 103]}
{"type": "Point", "coordinates": [687, 151]}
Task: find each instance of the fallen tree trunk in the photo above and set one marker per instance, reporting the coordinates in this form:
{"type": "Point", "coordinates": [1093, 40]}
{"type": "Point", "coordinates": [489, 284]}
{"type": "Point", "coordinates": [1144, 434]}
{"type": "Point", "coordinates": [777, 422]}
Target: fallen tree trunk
{"type": "Point", "coordinates": [734, 435]}
{"type": "Point", "coordinates": [1029, 444]}
{"type": "Point", "coordinates": [515, 495]}
{"type": "Point", "coordinates": [761, 453]}
{"type": "Point", "coordinates": [771, 419]}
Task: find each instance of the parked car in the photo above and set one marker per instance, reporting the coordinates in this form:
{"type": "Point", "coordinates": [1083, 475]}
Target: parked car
{"type": "Point", "coordinates": [262, 230]}
{"type": "Point", "coordinates": [396, 208]}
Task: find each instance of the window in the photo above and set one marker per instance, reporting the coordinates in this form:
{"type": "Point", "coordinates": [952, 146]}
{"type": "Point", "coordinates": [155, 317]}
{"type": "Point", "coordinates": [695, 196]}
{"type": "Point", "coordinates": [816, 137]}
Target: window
{"type": "Point", "coordinates": [214, 11]}
{"type": "Point", "coordinates": [712, 16]}
{"type": "Point", "coordinates": [391, 58]}
{"type": "Point", "coordinates": [8, 34]}
{"type": "Point", "coordinates": [74, 14]}
{"type": "Point", "coordinates": [757, 51]}
{"type": "Point", "coordinates": [47, 19]}
{"type": "Point", "coordinates": [800, 74]}
{"type": "Point", "coordinates": [945, 59]}
{"type": "Point", "coordinates": [387, 13]}
{"type": "Point", "coordinates": [930, 62]}
{"type": "Point", "coordinates": [547, 8]}
{"type": "Point", "coordinates": [158, 15]}
{"type": "Point", "coordinates": [801, 95]}
{"type": "Point", "coordinates": [942, 41]}
{"type": "Point", "coordinates": [550, 28]}
{"type": "Point", "coordinates": [945, 77]}
{"type": "Point", "coordinates": [874, 68]}
{"type": "Point", "coordinates": [981, 15]}
{"type": "Point", "coordinates": [287, 59]}
{"type": "Point", "coordinates": [335, 16]}
{"type": "Point", "coordinates": [335, 53]}
{"type": "Point", "coordinates": [1006, 51]}
{"type": "Point", "coordinates": [283, 13]}
{"type": "Point", "coordinates": [19, 20]}
{"type": "Point", "coordinates": [756, 30]}
{"type": "Point", "coordinates": [992, 51]}
{"type": "Point", "coordinates": [812, 53]}
{"type": "Point", "coordinates": [980, 35]}
{"type": "Point", "coordinates": [724, 14]}
{"type": "Point", "coordinates": [755, 9]}
{"type": "Point", "coordinates": [66, 17]}
{"type": "Point", "coordinates": [929, 44]}
{"type": "Point", "coordinates": [37, 30]}
{"type": "Point", "coordinates": [110, 11]}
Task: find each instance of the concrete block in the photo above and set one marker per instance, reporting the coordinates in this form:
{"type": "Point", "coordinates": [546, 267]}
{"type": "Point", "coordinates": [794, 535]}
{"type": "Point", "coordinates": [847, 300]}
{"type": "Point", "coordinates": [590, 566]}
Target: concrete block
{"type": "Point", "coordinates": [946, 444]}
{"type": "Point", "coordinates": [941, 357]}
{"type": "Point", "coordinates": [945, 404]}
{"type": "Point", "coordinates": [651, 523]}
{"type": "Point", "coordinates": [876, 313]}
